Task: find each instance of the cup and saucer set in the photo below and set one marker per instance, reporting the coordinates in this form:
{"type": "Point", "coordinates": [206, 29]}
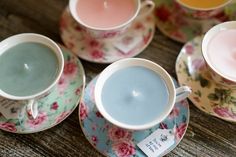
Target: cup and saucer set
{"type": "Point", "coordinates": [213, 88]}
{"type": "Point", "coordinates": [182, 22]}
{"type": "Point", "coordinates": [107, 46]}
{"type": "Point", "coordinates": [57, 87]}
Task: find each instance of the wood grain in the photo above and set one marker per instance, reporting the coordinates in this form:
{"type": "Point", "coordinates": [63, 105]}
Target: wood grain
{"type": "Point", "coordinates": [206, 136]}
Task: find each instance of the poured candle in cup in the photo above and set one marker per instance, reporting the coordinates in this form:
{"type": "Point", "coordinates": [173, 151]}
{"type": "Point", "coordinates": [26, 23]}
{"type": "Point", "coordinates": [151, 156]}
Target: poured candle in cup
{"type": "Point", "coordinates": [203, 4]}
{"type": "Point", "coordinates": [27, 68]}
{"type": "Point", "coordinates": [136, 94]}
{"type": "Point", "coordinates": [133, 92]}
{"type": "Point", "coordinates": [105, 13]}
{"type": "Point", "coordinates": [221, 52]}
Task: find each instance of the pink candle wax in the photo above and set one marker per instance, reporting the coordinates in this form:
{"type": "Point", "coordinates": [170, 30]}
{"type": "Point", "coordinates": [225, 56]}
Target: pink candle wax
{"type": "Point", "coordinates": [105, 13]}
{"type": "Point", "coordinates": [222, 52]}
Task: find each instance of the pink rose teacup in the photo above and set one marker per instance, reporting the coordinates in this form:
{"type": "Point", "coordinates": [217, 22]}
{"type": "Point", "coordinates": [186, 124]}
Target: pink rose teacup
{"type": "Point", "coordinates": [219, 52]}
{"type": "Point", "coordinates": [107, 19]}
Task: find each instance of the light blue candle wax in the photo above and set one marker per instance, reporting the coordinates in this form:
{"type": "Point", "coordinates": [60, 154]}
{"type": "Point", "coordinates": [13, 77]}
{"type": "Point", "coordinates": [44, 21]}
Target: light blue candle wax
{"type": "Point", "coordinates": [135, 95]}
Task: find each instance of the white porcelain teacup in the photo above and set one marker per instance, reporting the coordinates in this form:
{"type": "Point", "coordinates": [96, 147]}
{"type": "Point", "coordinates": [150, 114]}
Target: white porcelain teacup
{"type": "Point", "coordinates": [30, 66]}
{"type": "Point", "coordinates": [110, 31]}
{"type": "Point", "coordinates": [219, 52]}
{"type": "Point", "coordinates": [136, 93]}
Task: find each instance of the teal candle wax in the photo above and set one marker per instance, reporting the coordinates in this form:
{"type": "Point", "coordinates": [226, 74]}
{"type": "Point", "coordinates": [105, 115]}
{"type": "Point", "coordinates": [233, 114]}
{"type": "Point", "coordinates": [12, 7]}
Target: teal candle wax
{"type": "Point", "coordinates": [135, 95]}
{"type": "Point", "coordinates": [27, 69]}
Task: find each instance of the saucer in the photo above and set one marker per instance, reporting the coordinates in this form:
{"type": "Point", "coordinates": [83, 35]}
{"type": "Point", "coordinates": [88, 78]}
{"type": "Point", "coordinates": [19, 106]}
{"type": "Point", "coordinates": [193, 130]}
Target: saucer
{"type": "Point", "coordinates": [130, 44]}
{"type": "Point", "coordinates": [209, 97]}
{"type": "Point", "coordinates": [56, 106]}
{"type": "Point", "coordinates": [171, 21]}
{"type": "Point", "coordinates": [112, 141]}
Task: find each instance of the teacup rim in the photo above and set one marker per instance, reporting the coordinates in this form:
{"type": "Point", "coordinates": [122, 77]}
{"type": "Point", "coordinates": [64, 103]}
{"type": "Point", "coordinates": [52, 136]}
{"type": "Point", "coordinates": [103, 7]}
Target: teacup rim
{"type": "Point", "coordinates": [168, 80]}
{"type": "Point", "coordinates": [217, 28]}
{"type": "Point", "coordinates": [203, 9]}
{"type": "Point", "coordinates": [34, 37]}
{"type": "Point", "coordinates": [72, 5]}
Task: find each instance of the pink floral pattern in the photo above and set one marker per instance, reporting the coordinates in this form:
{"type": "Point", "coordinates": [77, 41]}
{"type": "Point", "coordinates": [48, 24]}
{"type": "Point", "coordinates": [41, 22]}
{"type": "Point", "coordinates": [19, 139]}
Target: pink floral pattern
{"type": "Point", "coordinates": [99, 115]}
{"type": "Point", "coordinates": [41, 118]}
{"type": "Point", "coordinates": [124, 148]}
{"type": "Point", "coordinates": [181, 24]}
{"type": "Point", "coordinates": [8, 126]}
{"type": "Point", "coordinates": [174, 113]}
{"type": "Point", "coordinates": [70, 68]}
{"type": "Point", "coordinates": [78, 91]}
{"type": "Point", "coordinates": [163, 126]}
{"type": "Point", "coordinates": [224, 112]}
{"type": "Point", "coordinates": [94, 43]}
{"type": "Point", "coordinates": [88, 47]}
{"type": "Point", "coordinates": [94, 139]}
{"type": "Point", "coordinates": [62, 116]}
{"type": "Point", "coordinates": [163, 13]}
{"type": "Point", "coordinates": [54, 106]}
{"type": "Point", "coordinates": [92, 93]}
{"type": "Point", "coordinates": [62, 84]}
{"type": "Point", "coordinates": [180, 130]}
{"type": "Point", "coordinates": [189, 49]}
{"type": "Point", "coordinates": [113, 141]}
{"type": "Point", "coordinates": [209, 96]}
{"type": "Point", "coordinates": [83, 112]}
{"type": "Point", "coordinates": [116, 134]}
{"type": "Point", "coordinates": [97, 54]}
{"type": "Point", "coordinates": [198, 64]}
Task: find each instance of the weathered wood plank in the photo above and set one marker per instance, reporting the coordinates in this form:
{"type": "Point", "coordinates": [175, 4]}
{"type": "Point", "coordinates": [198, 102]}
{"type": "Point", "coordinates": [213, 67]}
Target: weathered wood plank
{"type": "Point", "coordinates": [207, 136]}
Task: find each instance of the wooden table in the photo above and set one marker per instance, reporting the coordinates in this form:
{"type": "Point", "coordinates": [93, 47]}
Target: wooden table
{"type": "Point", "coordinates": [206, 135]}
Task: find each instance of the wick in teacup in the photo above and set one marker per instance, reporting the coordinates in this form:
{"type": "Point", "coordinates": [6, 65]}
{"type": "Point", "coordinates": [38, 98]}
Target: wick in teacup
{"type": "Point", "coordinates": [105, 4]}
{"type": "Point", "coordinates": [26, 66]}
{"type": "Point", "coordinates": [135, 93]}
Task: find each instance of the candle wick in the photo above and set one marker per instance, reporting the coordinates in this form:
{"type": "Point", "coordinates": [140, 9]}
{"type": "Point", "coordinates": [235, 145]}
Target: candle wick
{"type": "Point", "coordinates": [26, 66]}
{"type": "Point", "coordinates": [105, 4]}
{"type": "Point", "coordinates": [135, 93]}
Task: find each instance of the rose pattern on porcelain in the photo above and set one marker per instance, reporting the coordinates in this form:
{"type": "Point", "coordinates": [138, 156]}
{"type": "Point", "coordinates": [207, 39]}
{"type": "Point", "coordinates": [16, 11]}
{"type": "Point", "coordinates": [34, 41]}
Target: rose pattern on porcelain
{"type": "Point", "coordinates": [111, 140]}
{"type": "Point", "coordinates": [56, 106]}
{"type": "Point", "coordinates": [182, 28]}
{"type": "Point", "coordinates": [105, 51]}
{"type": "Point", "coordinates": [208, 96]}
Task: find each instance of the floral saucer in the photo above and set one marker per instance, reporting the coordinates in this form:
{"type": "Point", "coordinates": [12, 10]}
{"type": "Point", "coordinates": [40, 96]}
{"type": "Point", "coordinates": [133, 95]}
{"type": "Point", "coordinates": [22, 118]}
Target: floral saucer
{"type": "Point", "coordinates": [129, 44]}
{"type": "Point", "coordinates": [172, 21]}
{"type": "Point", "coordinates": [207, 96]}
{"type": "Point", "coordinates": [56, 106]}
{"type": "Point", "coordinates": [112, 141]}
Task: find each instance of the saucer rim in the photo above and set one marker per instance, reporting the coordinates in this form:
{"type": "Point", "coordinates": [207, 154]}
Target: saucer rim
{"type": "Point", "coordinates": [169, 150]}
{"type": "Point", "coordinates": [77, 103]}
{"type": "Point", "coordinates": [193, 101]}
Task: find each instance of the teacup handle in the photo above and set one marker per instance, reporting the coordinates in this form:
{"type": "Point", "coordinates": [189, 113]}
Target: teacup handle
{"type": "Point", "coordinates": [182, 93]}
{"type": "Point", "coordinates": [145, 4]}
{"type": "Point", "coordinates": [32, 109]}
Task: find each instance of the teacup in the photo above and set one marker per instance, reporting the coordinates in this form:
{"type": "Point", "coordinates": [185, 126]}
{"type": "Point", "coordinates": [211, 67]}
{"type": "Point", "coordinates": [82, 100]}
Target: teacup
{"type": "Point", "coordinates": [219, 52]}
{"type": "Point", "coordinates": [136, 94]}
{"type": "Point", "coordinates": [30, 66]}
{"type": "Point", "coordinates": [202, 9]}
{"type": "Point", "coordinates": [107, 19]}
